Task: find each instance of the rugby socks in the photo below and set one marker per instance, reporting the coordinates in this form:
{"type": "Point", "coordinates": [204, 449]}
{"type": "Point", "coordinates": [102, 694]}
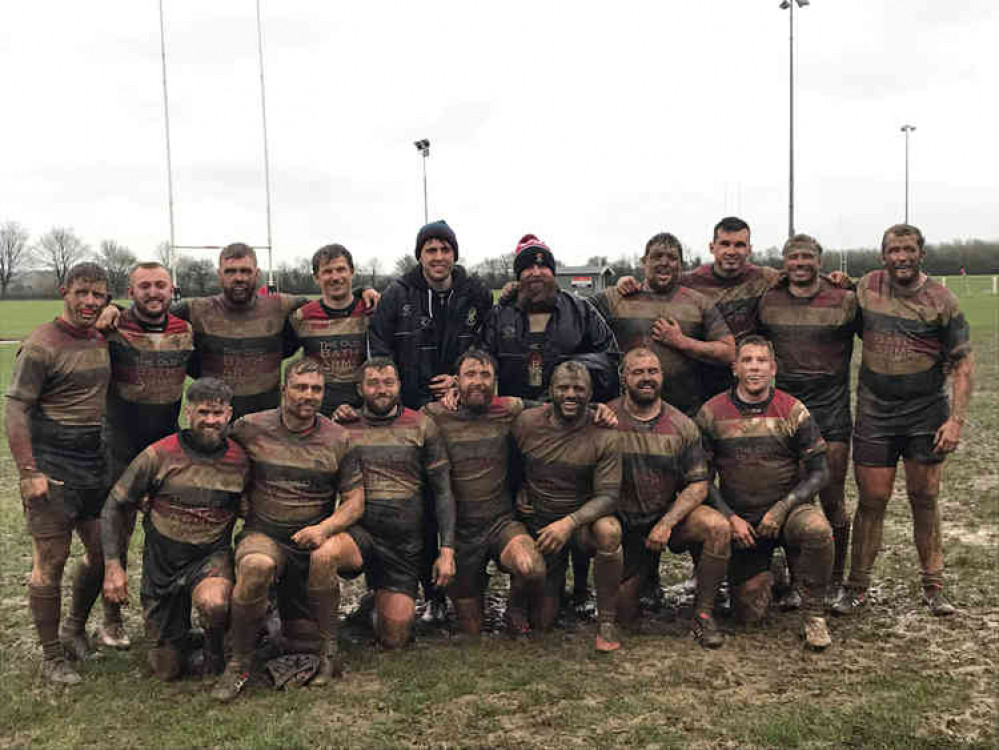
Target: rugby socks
{"type": "Point", "coordinates": [813, 567]}
{"type": "Point", "coordinates": [710, 573]}
{"type": "Point", "coordinates": [45, 603]}
{"type": "Point", "coordinates": [469, 613]}
{"type": "Point", "coordinates": [246, 619]}
{"type": "Point", "coordinates": [608, 567]}
{"type": "Point", "coordinates": [841, 541]}
{"type": "Point", "coordinates": [324, 601]}
{"type": "Point", "coordinates": [87, 581]}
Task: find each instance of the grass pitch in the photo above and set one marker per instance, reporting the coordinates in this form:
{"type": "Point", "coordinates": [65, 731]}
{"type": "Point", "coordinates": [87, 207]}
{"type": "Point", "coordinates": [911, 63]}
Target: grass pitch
{"type": "Point", "coordinates": [894, 677]}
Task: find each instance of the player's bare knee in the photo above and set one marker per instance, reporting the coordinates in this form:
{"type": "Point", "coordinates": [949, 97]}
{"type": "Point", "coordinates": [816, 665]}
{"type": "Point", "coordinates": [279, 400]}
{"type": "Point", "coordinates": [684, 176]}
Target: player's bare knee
{"type": "Point", "coordinates": [212, 602]}
{"type": "Point", "coordinates": [717, 534]}
{"type": "Point", "coordinates": [255, 572]}
{"type": "Point", "coordinates": [323, 560]}
{"type": "Point", "coordinates": [873, 503]}
{"type": "Point", "coordinates": [923, 499]}
{"type": "Point", "coordinates": [606, 534]}
{"type": "Point", "coordinates": [393, 633]}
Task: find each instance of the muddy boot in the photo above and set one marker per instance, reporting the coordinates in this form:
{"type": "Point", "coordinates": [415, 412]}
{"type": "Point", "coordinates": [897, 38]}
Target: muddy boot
{"type": "Point", "coordinates": [607, 639]}
{"type": "Point", "coordinates": [111, 633]}
{"type": "Point", "coordinates": [937, 602]}
{"type": "Point", "coordinates": [850, 602]}
{"type": "Point", "coordinates": [791, 600]}
{"type": "Point", "coordinates": [232, 681]}
{"type": "Point", "coordinates": [815, 633]}
{"type": "Point", "coordinates": [705, 631]}
{"type": "Point", "coordinates": [60, 671]}
{"type": "Point", "coordinates": [330, 665]}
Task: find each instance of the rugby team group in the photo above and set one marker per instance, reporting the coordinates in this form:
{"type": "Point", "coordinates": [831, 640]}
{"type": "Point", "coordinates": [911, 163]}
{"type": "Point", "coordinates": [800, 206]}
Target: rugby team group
{"type": "Point", "coordinates": [427, 431]}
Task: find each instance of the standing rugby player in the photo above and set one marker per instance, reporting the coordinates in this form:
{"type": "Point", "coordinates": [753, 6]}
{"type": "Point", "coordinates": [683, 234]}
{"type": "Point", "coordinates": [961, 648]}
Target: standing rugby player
{"type": "Point", "coordinates": [55, 404]}
{"type": "Point", "coordinates": [915, 335]}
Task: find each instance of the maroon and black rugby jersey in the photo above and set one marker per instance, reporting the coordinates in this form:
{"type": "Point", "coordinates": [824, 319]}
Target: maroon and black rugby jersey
{"type": "Point", "coordinates": [660, 457]}
{"type": "Point", "coordinates": [756, 448]}
{"type": "Point", "coordinates": [911, 339]}
{"type": "Point", "coordinates": [148, 367]}
{"type": "Point", "coordinates": [61, 372]}
{"type": "Point", "coordinates": [631, 318]}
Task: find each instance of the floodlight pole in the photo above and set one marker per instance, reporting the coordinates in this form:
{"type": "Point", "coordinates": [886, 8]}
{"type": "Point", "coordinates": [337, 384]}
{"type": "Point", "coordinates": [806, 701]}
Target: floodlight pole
{"type": "Point", "coordinates": [166, 117]}
{"type": "Point", "coordinates": [267, 163]}
{"type": "Point", "coordinates": [423, 146]}
{"type": "Point", "coordinates": [789, 6]}
{"type": "Point", "coordinates": [907, 129]}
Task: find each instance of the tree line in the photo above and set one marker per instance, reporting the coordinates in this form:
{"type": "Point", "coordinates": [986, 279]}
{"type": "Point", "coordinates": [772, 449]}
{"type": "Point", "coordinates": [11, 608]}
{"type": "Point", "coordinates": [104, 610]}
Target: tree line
{"type": "Point", "coordinates": [37, 269]}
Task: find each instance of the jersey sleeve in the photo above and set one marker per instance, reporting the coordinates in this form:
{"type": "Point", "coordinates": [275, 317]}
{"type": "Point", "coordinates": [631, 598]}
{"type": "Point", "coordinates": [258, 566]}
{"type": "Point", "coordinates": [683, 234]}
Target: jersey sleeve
{"type": "Point", "coordinates": [31, 367]}
{"type": "Point", "coordinates": [807, 436]}
{"type": "Point", "coordinates": [138, 481]}
{"type": "Point", "coordinates": [693, 461]}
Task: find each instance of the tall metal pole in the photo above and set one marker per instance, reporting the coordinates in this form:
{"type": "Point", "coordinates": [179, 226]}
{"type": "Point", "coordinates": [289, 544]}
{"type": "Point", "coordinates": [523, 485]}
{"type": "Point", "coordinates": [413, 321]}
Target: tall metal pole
{"type": "Point", "coordinates": [907, 129]}
{"type": "Point", "coordinates": [790, 158]}
{"type": "Point", "coordinates": [267, 162]}
{"type": "Point", "coordinates": [423, 146]}
{"type": "Point", "coordinates": [166, 117]}
{"type": "Point", "coordinates": [426, 209]}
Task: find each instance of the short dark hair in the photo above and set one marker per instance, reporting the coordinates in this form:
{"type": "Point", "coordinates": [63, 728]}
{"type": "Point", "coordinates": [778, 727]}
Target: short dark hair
{"type": "Point", "coordinates": [86, 271]}
{"type": "Point", "coordinates": [478, 355]}
{"type": "Point", "coordinates": [730, 224]}
{"type": "Point", "coordinates": [237, 250]}
{"type": "Point", "coordinates": [903, 230]}
{"type": "Point", "coordinates": [755, 340]}
{"type": "Point", "coordinates": [301, 366]}
{"type": "Point", "coordinates": [666, 239]}
{"type": "Point", "coordinates": [327, 253]}
{"type": "Point", "coordinates": [209, 390]}
{"type": "Point", "coordinates": [377, 363]}
{"type": "Point", "coordinates": [802, 242]}
{"type": "Point", "coordinates": [572, 367]}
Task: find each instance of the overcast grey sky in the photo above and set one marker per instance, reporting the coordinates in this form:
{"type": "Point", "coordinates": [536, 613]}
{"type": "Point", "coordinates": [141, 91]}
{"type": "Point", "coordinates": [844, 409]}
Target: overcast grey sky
{"type": "Point", "coordinates": [593, 125]}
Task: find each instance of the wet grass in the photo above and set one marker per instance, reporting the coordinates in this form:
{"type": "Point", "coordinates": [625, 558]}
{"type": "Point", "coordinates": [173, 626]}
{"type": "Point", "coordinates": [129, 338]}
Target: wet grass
{"type": "Point", "coordinates": [894, 677]}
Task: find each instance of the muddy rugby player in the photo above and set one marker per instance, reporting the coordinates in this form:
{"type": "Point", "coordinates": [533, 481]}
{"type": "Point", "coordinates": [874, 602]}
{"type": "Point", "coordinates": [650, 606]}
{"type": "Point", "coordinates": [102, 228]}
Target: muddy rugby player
{"type": "Point", "coordinates": [915, 335]}
{"type": "Point", "coordinates": [757, 437]}
{"type": "Point", "coordinates": [55, 404]}
{"type": "Point", "coordinates": [191, 486]}
{"type": "Point", "coordinates": [300, 462]}
{"type": "Point", "coordinates": [811, 324]}
{"type": "Point", "coordinates": [150, 353]}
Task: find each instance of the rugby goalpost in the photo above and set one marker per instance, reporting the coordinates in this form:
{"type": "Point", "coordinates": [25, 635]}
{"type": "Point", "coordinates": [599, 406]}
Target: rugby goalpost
{"type": "Point", "coordinates": [169, 159]}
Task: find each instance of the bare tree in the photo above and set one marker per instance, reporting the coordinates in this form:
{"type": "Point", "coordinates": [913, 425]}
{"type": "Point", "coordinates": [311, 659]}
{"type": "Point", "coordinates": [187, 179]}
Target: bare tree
{"type": "Point", "coordinates": [117, 261]}
{"type": "Point", "coordinates": [196, 277]}
{"type": "Point", "coordinates": [14, 253]}
{"type": "Point", "coordinates": [59, 250]}
{"type": "Point", "coordinates": [404, 265]}
{"type": "Point", "coordinates": [168, 256]}
{"type": "Point", "coordinates": [373, 265]}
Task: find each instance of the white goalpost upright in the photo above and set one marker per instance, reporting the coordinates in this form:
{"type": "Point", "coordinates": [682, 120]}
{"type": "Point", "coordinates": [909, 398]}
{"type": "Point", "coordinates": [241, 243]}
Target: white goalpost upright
{"type": "Point", "coordinates": [169, 158]}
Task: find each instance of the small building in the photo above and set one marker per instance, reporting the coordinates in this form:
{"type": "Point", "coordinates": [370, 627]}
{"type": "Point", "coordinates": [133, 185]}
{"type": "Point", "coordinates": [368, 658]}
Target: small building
{"type": "Point", "coordinates": [584, 280]}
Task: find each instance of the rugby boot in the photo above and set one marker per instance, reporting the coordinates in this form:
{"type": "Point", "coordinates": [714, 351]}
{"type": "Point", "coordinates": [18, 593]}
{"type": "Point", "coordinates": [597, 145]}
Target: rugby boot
{"type": "Point", "coordinates": [833, 595]}
{"type": "Point", "coordinates": [937, 602]}
{"type": "Point", "coordinates": [113, 635]}
{"type": "Point", "coordinates": [232, 681]}
{"type": "Point", "coordinates": [791, 600]}
{"type": "Point", "coordinates": [815, 633]}
{"type": "Point", "coordinates": [60, 671]}
{"type": "Point", "coordinates": [849, 602]}
{"type": "Point", "coordinates": [607, 639]}
{"type": "Point", "coordinates": [330, 666]}
{"type": "Point", "coordinates": [705, 631]}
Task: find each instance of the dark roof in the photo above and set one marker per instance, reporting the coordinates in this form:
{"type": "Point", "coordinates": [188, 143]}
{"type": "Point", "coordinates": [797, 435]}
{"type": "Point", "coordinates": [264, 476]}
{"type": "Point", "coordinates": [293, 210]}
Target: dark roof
{"type": "Point", "coordinates": [584, 270]}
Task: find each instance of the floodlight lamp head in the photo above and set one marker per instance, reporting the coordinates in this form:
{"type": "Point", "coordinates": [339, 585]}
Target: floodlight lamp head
{"type": "Point", "coordinates": [423, 146]}
{"type": "Point", "coordinates": [785, 4]}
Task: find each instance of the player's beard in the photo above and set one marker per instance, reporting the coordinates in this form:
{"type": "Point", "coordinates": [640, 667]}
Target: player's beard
{"type": "Point", "coordinates": [538, 294]}
{"type": "Point", "coordinates": [377, 406]}
{"type": "Point", "coordinates": [644, 398]}
{"type": "Point", "coordinates": [478, 406]}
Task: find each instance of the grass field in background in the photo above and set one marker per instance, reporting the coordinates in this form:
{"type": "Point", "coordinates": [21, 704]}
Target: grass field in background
{"type": "Point", "coordinates": [894, 678]}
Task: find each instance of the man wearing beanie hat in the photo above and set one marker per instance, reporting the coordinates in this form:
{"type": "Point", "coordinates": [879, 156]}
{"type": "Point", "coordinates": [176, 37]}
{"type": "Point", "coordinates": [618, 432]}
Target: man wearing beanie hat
{"type": "Point", "coordinates": [425, 321]}
{"type": "Point", "coordinates": [429, 317]}
{"type": "Point", "coordinates": [545, 326]}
